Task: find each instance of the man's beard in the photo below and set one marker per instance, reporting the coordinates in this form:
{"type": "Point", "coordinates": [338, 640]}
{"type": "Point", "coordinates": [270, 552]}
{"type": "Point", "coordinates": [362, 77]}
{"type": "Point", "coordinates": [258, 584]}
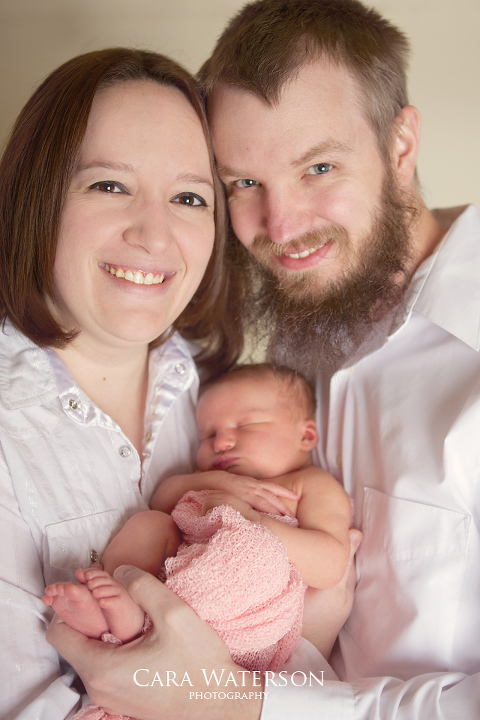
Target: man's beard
{"type": "Point", "coordinates": [308, 328]}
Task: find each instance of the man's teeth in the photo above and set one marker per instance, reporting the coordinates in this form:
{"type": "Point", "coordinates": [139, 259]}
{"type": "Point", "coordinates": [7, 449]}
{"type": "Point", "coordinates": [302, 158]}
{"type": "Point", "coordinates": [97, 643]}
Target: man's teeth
{"type": "Point", "coordinates": [303, 254]}
{"type": "Point", "coordinates": [136, 277]}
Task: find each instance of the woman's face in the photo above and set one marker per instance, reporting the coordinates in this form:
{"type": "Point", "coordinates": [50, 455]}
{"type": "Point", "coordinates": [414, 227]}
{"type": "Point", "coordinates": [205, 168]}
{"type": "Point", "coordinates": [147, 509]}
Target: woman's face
{"type": "Point", "coordinates": [138, 225]}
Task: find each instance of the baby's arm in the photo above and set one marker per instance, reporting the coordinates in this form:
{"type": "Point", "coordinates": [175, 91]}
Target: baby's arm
{"type": "Point", "coordinates": [263, 496]}
{"type": "Point", "coordinates": [320, 546]}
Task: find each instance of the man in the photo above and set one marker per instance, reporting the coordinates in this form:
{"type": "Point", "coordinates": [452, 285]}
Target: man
{"type": "Point", "coordinates": [316, 145]}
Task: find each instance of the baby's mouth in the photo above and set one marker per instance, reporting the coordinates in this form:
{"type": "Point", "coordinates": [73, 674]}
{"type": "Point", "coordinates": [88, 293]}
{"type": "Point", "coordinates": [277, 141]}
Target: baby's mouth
{"type": "Point", "coordinates": [223, 461]}
{"type": "Point", "coordinates": [136, 276]}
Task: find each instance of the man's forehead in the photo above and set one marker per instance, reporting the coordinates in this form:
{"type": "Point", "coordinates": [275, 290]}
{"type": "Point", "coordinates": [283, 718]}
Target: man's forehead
{"type": "Point", "coordinates": [318, 112]}
{"type": "Point", "coordinates": [316, 73]}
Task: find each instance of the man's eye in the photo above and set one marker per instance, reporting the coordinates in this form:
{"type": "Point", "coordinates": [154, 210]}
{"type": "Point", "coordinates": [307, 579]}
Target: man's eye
{"type": "Point", "coordinates": [189, 199]}
{"type": "Point", "coordinates": [319, 169]}
{"type": "Point", "coordinates": [109, 186]}
{"type": "Point", "coordinates": [245, 183]}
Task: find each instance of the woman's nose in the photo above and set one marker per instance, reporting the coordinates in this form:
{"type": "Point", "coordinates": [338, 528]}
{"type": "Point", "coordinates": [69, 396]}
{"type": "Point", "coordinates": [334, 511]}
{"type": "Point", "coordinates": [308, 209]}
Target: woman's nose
{"type": "Point", "coordinates": [149, 228]}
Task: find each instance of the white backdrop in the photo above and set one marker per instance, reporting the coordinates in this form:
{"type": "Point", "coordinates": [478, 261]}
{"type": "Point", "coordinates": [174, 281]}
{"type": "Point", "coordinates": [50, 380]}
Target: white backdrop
{"type": "Point", "coordinates": [38, 35]}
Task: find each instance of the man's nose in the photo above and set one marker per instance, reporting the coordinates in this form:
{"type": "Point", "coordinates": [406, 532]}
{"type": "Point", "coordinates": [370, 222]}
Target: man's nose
{"type": "Point", "coordinates": [287, 215]}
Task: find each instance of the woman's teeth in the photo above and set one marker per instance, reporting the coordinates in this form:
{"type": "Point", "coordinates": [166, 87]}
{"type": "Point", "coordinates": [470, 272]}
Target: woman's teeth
{"type": "Point", "coordinates": [137, 277]}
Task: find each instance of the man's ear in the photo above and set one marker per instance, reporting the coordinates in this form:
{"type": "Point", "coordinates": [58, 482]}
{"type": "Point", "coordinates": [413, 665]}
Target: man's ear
{"type": "Point", "coordinates": [309, 435]}
{"type": "Point", "coordinates": [406, 141]}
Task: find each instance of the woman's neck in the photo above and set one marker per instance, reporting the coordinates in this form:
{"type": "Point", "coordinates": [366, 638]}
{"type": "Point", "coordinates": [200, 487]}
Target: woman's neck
{"type": "Point", "coordinates": [116, 381]}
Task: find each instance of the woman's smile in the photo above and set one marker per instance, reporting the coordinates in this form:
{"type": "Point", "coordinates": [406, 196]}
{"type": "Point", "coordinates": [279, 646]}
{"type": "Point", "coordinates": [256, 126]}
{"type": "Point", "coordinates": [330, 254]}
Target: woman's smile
{"type": "Point", "coordinates": [139, 277]}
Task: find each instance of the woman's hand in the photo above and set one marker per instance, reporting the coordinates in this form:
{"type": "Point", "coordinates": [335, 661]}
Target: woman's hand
{"type": "Point", "coordinates": [162, 675]}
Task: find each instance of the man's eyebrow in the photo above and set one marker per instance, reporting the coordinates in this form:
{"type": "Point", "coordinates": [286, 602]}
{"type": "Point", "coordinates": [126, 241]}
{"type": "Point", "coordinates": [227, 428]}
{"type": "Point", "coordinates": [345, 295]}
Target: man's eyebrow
{"type": "Point", "coordinates": [313, 153]}
{"type": "Point", "coordinates": [324, 147]}
{"type": "Point", "coordinates": [229, 171]}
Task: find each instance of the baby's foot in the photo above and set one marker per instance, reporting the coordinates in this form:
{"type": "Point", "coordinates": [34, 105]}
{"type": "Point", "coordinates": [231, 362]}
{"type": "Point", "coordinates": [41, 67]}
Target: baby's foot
{"type": "Point", "coordinates": [77, 607]}
{"type": "Point", "coordinates": [124, 617]}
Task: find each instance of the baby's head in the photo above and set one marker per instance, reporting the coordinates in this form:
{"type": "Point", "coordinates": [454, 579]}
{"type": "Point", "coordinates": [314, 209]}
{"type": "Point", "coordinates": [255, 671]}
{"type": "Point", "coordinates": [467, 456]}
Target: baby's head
{"type": "Point", "coordinates": [257, 421]}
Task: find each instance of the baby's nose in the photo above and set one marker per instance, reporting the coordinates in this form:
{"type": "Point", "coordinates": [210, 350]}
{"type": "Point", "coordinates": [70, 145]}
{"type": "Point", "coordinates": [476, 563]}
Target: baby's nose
{"type": "Point", "coordinates": [223, 441]}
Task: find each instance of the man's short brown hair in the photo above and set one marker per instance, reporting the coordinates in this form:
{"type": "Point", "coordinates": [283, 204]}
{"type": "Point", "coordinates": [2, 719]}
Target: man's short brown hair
{"type": "Point", "coordinates": [269, 40]}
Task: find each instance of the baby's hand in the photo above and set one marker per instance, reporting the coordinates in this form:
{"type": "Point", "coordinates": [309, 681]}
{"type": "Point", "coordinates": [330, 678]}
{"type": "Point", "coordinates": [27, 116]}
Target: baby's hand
{"type": "Point", "coordinates": [215, 498]}
{"type": "Point", "coordinates": [258, 494]}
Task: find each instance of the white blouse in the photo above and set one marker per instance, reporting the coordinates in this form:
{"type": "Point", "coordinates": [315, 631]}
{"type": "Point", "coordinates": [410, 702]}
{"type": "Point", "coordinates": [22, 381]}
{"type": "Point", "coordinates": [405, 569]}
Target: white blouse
{"type": "Point", "coordinates": [69, 479]}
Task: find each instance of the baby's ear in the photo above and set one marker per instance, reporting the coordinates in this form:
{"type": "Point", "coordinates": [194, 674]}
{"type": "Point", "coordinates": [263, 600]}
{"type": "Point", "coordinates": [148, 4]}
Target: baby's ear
{"type": "Point", "coordinates": [309, 435]}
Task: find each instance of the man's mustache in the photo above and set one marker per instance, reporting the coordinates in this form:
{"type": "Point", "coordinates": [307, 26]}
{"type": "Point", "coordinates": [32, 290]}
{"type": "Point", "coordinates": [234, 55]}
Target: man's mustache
{"type": "Point", "coordinates": [263, 247]}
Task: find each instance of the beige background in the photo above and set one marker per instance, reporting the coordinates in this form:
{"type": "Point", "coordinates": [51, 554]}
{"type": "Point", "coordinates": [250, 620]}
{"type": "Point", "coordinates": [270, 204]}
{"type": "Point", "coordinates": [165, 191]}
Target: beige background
{"type": "Point", "coordinates": [38, 35]}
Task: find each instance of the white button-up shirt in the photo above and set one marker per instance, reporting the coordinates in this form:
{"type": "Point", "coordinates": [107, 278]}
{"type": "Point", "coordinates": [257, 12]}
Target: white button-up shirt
{"type": "Point", "coordinates": [401, 429]}
{"type": "Point", "coordinates": [69, 479]}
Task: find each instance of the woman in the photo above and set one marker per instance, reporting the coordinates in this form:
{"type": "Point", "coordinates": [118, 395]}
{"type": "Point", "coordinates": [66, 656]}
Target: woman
{"type": "Point", "coordinates": [108, 210]}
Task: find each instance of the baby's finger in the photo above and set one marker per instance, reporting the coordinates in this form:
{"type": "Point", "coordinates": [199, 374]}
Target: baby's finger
{"type": "Point", "coordinates": [270, 503]}
{"type": "Point", "coordinates": [279, 490]}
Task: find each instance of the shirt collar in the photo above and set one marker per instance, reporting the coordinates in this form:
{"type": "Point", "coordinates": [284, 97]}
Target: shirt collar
{"type": "Point", "coordinates": [26, 377]}
{"type": "Point", "coordinates": [31, 375]}
{"type": "Point", "coordinates": [449, 292]}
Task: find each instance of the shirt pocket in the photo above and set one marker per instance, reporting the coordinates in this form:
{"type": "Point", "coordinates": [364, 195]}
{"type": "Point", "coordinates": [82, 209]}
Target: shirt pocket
{"type": "Point", "coordinates": [410, 568]}
{"type": "Point", "coordinates": [68, 543]}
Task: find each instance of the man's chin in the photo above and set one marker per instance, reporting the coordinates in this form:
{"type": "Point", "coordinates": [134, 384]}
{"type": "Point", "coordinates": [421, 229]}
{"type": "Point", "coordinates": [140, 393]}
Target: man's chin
{"type": "Point", "coordinates": [306, 285]}
{"type": "Point", "coordinates": [311, 323]}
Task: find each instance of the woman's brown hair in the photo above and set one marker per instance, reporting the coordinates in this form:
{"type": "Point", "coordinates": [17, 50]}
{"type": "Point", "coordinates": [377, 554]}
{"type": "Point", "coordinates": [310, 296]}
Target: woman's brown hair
{"type": "Point", "coordinates": [35, 175]}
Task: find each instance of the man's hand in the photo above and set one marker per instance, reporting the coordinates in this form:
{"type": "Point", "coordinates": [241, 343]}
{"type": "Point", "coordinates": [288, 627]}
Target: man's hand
{"type": "Point", "coordinates": [160, 675]}
{"type": "Point", "coordinates": [326, 611]}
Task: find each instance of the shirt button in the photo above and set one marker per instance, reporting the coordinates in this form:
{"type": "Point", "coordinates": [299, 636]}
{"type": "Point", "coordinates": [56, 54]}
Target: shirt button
{"type": "Point", "coordinates": [339, 461]}
{"type": "Point", "coordinates": [125, 451]}
{"type": "Point", "coordinates": [73, 404]}
{"type": "Point", "coordinates": [179, 368]}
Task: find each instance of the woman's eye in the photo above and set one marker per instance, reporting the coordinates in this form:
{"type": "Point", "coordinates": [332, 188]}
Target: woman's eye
{"type": "Point", "coordinates": [319, 169]}
{"type": "Point", "coordinates": [245, 183]}
{"type": "Point", "coordinates": [108, 186]}
{"type": "Point", "coordinates": [190, 199]}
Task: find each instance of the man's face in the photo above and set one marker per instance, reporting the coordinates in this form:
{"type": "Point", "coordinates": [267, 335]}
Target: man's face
{"type": "Point", "coordinates": [304, 177]}
{"type": "Point", "coordinates": [327, 218]}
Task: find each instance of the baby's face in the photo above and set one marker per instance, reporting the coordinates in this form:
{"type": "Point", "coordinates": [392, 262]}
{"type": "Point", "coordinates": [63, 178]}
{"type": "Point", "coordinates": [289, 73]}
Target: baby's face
{"type": "Point", "coordinates": [248, 426]}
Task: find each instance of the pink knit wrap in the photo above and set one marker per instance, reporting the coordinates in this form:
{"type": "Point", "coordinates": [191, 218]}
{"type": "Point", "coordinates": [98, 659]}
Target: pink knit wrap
{"type": "Point", "coordinates": [237, 576]}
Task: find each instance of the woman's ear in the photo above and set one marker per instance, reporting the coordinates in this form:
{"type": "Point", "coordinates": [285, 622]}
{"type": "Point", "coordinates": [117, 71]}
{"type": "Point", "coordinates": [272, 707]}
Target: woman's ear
{"type": "Point", "coordinates": [309, 435]}
{"type": "Point", "coordinates": [406, 141]}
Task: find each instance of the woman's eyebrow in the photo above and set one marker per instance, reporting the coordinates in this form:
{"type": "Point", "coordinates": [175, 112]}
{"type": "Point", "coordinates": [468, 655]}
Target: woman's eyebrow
{"type": "Point", "coordinates": [195, 179]}
{"type": "Point", "coordinates": [105, 165]}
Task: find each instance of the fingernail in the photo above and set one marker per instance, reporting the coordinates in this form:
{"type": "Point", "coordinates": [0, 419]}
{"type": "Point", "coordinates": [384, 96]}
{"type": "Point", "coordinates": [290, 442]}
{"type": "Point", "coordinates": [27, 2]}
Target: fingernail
{"type": "Point", "coordinates": [356, 540]}
{"type": "Point", "coordinates": [121, 571]}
